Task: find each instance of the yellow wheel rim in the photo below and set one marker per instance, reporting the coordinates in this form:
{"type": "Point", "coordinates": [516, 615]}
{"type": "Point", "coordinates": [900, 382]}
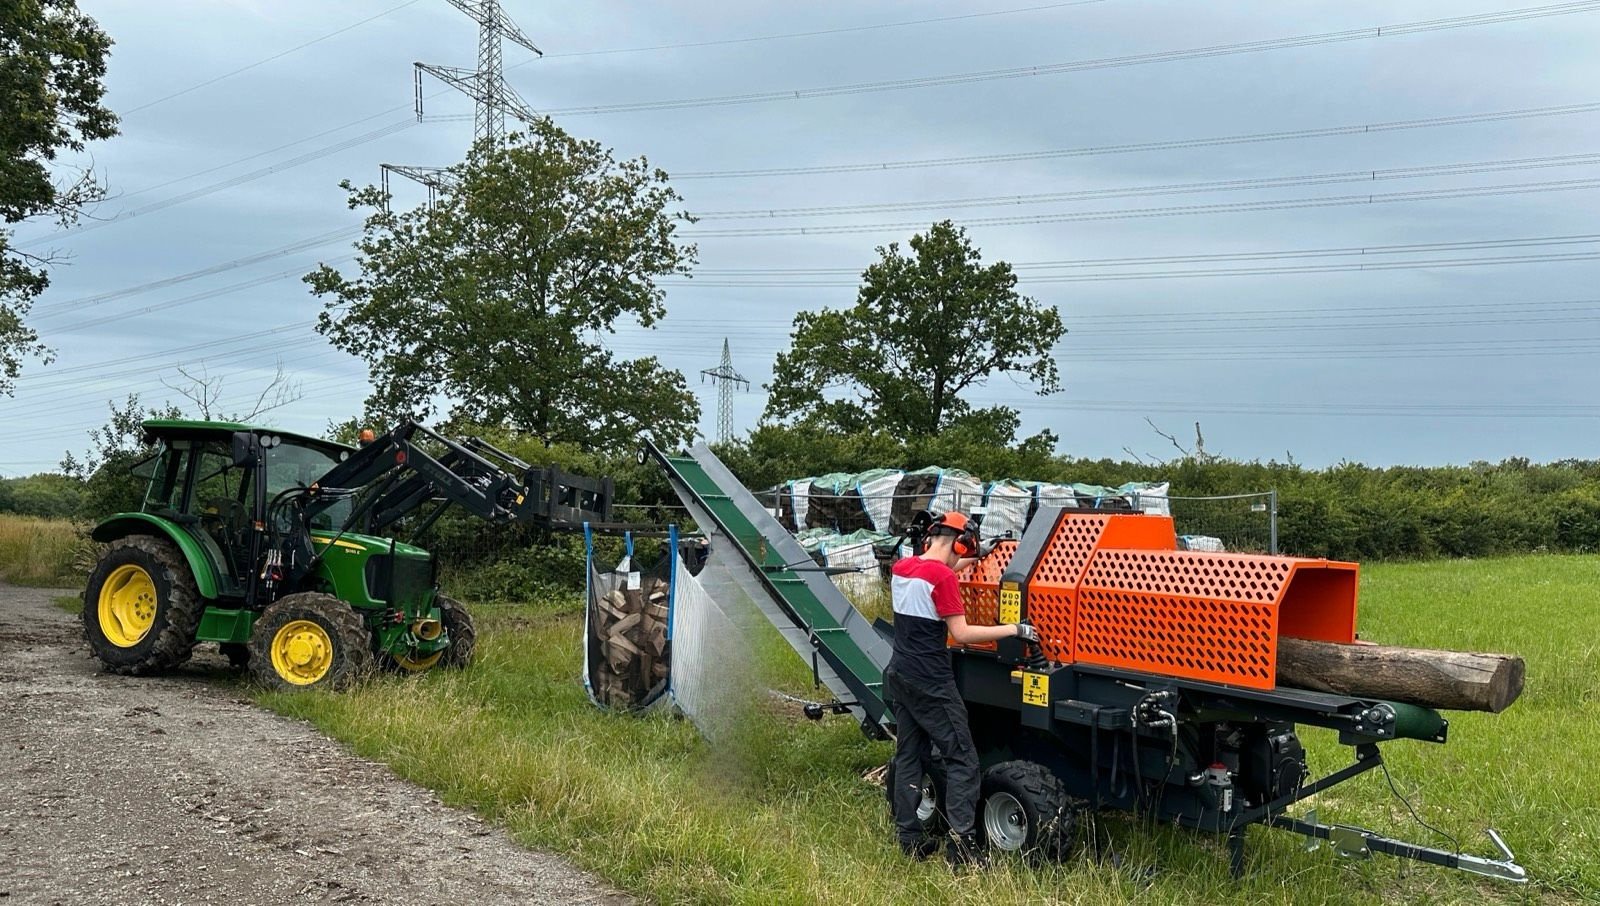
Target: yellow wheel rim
{"type": "Point", "coordinates": [127, 605]}
{"type": "Point", "coordinates": [417, 663]}
{"type": "Point", "coordinates": [302, 652]}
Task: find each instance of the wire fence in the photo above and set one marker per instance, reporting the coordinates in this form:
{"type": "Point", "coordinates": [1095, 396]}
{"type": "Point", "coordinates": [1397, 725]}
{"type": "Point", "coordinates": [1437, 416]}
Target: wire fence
{"type": "Point", "coordinates": [1247, 523]}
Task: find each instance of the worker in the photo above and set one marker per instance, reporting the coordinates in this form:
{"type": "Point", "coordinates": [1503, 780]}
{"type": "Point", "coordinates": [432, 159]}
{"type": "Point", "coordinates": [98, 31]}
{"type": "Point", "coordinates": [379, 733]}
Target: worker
{"type": "Point", "coordinates": [921, 686]}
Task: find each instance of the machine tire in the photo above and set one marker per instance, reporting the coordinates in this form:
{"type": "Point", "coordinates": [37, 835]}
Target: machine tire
{"type": "Point", "coordinates": [463, 635]}
{"type": "Point", "coordinates": [141, 606]}
{"type": "Point", "coordinates": [309, 641]}
{"type": "Point", "coordinates": [1025, 809]}
{"type": "Point", "coordinates": [933, 822]}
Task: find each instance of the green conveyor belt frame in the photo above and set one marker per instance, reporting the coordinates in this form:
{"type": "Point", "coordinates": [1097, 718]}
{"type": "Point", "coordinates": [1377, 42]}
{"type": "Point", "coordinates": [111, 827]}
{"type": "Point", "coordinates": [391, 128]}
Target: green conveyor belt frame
{"type": "Point", "coordinates": [846, 652]}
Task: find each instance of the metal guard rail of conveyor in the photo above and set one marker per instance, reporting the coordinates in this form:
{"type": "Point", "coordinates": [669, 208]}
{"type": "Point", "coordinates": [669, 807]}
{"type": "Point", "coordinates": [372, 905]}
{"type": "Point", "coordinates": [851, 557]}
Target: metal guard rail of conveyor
{"type": "Point", "coordinates": [846, 653]}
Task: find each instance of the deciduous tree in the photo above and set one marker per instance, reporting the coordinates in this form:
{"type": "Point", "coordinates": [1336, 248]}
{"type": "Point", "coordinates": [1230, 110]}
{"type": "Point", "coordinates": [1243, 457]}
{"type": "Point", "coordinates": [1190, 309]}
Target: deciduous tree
{"type": "Point", "coordinates": [495, 302]}
{"type": "Point", "coordinates": [52, 61]}
{"type": "Point", "coordinates": [926, 328]}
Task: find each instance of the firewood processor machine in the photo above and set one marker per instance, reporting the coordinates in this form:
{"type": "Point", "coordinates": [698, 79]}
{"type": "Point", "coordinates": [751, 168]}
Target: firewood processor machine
{"type": "Point", "coordinates": [1152, 690]}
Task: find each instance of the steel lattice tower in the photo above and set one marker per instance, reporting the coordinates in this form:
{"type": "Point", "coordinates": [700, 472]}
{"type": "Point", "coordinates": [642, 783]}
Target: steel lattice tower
{"type": "Point", "coordinates": [726, 378]}
{"type": "Point", "coordinates": [486, 85]}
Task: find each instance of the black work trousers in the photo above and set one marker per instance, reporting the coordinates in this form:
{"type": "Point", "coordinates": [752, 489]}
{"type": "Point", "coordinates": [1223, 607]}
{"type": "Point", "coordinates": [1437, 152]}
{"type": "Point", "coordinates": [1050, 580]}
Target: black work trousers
{"type": "Point", "coordinates": [927, 715]}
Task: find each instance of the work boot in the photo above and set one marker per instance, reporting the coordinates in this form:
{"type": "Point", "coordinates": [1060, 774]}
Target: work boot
{"type": "Point", "coordinates": [920, 849]}
{"type": "Point", "coordinates": [964, 849]}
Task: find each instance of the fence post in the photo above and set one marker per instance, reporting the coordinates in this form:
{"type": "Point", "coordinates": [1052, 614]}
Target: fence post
{"type": "Point", "coordinates": [1272, 521]}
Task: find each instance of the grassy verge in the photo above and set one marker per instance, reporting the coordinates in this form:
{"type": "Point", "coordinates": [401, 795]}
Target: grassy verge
{"type": "Point", "coordinates": [779, 814]}
{"type": "Point", "coordinates": [39, 552]}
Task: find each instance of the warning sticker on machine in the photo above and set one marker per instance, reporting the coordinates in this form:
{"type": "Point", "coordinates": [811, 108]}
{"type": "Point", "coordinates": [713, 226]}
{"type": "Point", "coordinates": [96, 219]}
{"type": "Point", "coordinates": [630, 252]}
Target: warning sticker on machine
{"type": "Point", "coordinates": [1010, 603]}
{"type": "Point", "coordinates": [1036, 689]}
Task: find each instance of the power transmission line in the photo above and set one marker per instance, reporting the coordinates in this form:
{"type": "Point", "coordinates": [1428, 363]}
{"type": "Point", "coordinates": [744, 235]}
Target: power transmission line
{"type": "Point", "coordinates": [819, 32]}
{"type": "Point", "coordinates": [1163, 145]}
{"type": "Point", "coordinates": [1255, 255]}
{"type": "Point", "coordinates": [229, 183]}
{"type": "Point", "coordinates": [302, 245]}
{"type": "Point", "coordinates": [263, 61]}
{"type": "Point", "coordinates": [1227, 185]}
{"type": "Point", "coordinates": [1327, 201]}
{"type": "Point", "coordinates": [1216, 50]}
{"type": "Point", "coordinates": [1030, 279]}
{"type": "Point", "coordinates": [434, 173]}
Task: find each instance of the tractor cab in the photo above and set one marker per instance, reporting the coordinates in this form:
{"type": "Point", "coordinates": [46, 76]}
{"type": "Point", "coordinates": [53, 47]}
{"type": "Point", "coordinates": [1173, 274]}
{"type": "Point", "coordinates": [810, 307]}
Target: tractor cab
{"type": "Point", "coordinates": [216, 482]}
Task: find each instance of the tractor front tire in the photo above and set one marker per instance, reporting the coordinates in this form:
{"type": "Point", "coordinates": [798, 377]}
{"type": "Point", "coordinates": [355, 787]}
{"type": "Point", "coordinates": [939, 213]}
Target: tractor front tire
{"type": "Point", "coordinates": [463, 635]}
{"type": "Point", "coordinates": [141, 606]}
{"type": "Point", "coordinates": [930, 808]}
{"type": "Point", "coordinates": [309, 641]}
{"type": "Point", "coordinates": [1025, 809]}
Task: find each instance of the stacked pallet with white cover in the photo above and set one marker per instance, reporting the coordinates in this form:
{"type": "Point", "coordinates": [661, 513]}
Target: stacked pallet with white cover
{"type": "Point", "coordinates": [1008, 505]}
{"type": "Point", "coordinates": [836, 504]}
{"type": "Point", "coordinates": [629, 623]}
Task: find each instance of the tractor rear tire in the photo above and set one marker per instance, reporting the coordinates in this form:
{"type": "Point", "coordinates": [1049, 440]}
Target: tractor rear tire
{"type": "Point", "coordinates": [463, 635]}
{"type": "Point", "coordinates": [141, 606]}
{"type": "Point", "coordinates": [1025, 809]}
{"type": "Point", "coordinates": [930, 811]}
{"type": "Point", "coordinates": [309, 641]}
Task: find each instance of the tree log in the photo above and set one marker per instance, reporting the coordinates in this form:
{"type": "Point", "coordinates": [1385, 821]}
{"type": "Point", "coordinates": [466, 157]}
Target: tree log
{"type": "Point", "coordinates": [1448, 680]}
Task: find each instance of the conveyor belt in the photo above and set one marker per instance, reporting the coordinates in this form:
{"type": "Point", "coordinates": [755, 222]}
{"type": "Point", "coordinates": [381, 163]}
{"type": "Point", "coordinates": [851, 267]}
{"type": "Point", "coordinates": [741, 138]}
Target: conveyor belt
{"type": "Point", "coordinates": [799, 599]}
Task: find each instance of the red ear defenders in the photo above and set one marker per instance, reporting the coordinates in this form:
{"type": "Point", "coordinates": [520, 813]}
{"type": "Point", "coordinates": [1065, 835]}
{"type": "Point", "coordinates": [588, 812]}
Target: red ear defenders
{"type": "Point", "coordinates": [965, 530]}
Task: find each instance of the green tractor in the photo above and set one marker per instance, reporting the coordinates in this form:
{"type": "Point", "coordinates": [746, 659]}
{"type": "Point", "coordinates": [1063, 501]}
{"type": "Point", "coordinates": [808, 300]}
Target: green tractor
{"type": "Point", "coordinates": [274, 546]}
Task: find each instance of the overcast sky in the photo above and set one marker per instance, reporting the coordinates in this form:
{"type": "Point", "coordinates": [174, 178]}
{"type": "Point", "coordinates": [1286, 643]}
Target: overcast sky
{"type": "Point", "coordinates": [1442, 342]}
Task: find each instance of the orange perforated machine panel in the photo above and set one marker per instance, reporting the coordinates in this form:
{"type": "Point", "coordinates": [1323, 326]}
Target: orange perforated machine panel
{"type": "Point", "coordinates": [980, 588]}
{"type": "Point", "coordinates": [980, 585]}
{"type": "Point", "coordinates": [1208, 616]}
{"type": "Point", "coordinates": [1113, 589]}
{"type": "Point", "coordinates": [1053, 585]}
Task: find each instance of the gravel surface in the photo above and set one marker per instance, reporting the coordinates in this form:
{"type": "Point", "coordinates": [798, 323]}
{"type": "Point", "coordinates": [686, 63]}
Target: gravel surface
{"type": "Point", "coordinates": [176, 790]}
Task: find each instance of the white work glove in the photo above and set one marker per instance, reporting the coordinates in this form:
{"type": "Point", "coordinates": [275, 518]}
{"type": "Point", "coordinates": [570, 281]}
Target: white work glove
{"type": "Point", "coordinates": [1026, 631]}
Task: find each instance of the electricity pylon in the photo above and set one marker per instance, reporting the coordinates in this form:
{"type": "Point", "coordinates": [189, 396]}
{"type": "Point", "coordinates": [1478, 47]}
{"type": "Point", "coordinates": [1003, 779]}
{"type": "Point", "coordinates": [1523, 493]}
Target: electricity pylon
{"type": "Point", "coordinates": [726, 378]}
{"type": "Point", "coordinates": [492, 97]}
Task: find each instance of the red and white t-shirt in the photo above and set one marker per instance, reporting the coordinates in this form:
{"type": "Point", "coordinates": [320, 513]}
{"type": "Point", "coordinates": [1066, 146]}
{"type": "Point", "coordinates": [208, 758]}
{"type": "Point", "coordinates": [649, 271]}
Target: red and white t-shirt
{"type": "Point", "coordinates": [924, 593]}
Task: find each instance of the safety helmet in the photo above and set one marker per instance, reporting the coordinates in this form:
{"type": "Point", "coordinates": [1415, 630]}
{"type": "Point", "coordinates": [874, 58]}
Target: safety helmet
{"type": "Point", "coordinates": [965, 530]}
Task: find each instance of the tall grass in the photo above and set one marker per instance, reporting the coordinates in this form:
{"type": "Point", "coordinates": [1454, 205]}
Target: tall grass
{"type": "Point", "coordinates": [779, 814]}
{"type": "Point", "coordinates": [41, 552]}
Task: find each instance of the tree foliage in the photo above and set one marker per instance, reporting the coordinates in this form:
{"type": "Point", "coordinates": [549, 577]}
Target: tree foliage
{"type": "Point", "coordinates": [926, 328]}
{"type": "Point", "coordinates": [52, 61]}
{"type": "Point", "coordinates": [498, 297]}
{"type": "Point", "coordinates": [114, 448]}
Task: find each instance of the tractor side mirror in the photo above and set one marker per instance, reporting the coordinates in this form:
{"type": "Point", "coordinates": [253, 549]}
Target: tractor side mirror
{"type": "Point", "coordinates": [245, 449]}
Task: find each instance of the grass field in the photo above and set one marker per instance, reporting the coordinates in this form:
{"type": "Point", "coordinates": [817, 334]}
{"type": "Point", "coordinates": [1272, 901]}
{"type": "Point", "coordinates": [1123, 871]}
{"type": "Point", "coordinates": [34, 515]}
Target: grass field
{"type": "Point", "coordinates": [780, 814]}
{"type": "Point", "coordinates": [39, 552]}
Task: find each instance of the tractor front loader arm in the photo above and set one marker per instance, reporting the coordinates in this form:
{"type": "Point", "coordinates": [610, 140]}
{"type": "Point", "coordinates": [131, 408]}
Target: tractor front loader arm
{"type": "Point", "coordinates": [398, 476]}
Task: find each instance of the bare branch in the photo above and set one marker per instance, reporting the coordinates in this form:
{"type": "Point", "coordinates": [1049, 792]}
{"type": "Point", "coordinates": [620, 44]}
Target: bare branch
{"type": "Point", "coordinates": [1169, 437]}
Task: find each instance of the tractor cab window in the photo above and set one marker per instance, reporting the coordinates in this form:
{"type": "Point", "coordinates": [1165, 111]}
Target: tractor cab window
{"type": "Point", "coordinates": [293, 466]}
{"type": "Point", "coordinates": [220, 495]}
{"type": "Point", "coordinates": [168, 478]}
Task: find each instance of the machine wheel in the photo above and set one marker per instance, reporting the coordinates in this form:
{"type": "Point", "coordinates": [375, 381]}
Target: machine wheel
{"type": "Point", "coordinates": [309, 640]}
{"type": "Point", "coordinates": [930, 811]}
{"type": "Point", "coordinates": [463, 636]}
{"type": "Point", "coordinates": [1025, 809]}
{"type": "Point", "coordinates": [141, 606]}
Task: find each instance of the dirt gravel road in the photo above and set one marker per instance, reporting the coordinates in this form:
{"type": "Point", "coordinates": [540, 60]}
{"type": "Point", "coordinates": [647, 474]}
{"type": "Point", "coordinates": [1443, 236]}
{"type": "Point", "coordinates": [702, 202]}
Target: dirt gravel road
{"type": "Point", "coordinates": [177, 790]}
